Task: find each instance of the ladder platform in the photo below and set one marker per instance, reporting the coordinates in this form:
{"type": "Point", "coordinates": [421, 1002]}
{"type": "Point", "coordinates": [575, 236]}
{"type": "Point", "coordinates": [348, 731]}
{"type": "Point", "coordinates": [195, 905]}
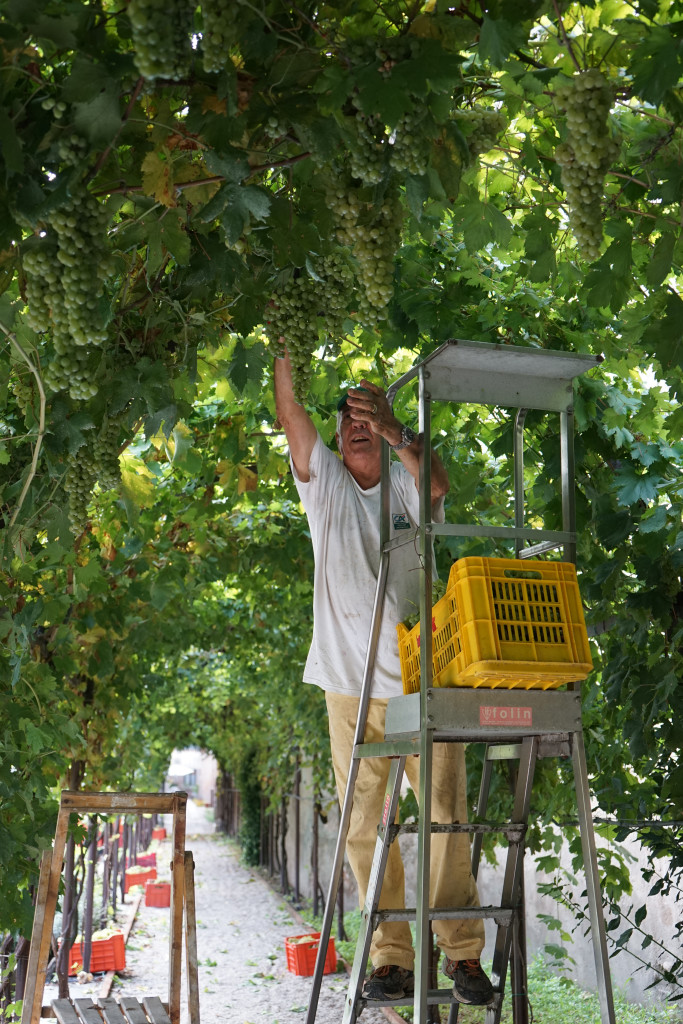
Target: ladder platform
{"type": "Point", "coordinates": [469, 714]}
{"type": "Point", "coordinates": [127, 1010]}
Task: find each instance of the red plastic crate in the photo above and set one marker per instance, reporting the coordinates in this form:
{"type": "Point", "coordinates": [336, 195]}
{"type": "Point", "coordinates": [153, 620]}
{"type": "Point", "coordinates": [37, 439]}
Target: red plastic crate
{"type": "Point", "coordinates": [106, 955]}
{"type": "Point", "coordinates": [158, 832]}
{"type": "Point", "coordinates": [158, 894]}
{"type": "Point", "coordinates": [147, 860]}
{"type": "Point", "coordinates": [302, 951]}
{"type": "Point", "coordinates": [138, 877]}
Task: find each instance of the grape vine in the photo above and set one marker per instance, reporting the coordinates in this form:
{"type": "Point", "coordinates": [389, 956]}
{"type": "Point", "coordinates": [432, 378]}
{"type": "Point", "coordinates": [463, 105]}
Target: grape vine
{"type": "Point", "coordinates": [586, 155]}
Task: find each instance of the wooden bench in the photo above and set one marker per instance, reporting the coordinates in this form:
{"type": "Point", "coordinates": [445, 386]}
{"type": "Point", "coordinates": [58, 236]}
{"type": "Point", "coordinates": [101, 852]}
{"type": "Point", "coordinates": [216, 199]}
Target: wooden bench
{"type": "Point", "coordinates": [126, 1010]}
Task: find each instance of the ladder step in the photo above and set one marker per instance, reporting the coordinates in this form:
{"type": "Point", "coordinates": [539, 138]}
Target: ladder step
{"type": "Point", "coordinates": [435, 996]}
{"type": "Point", "coordinates": [514, 831]}
{"type": "Point", "coordinates": [501, 915]}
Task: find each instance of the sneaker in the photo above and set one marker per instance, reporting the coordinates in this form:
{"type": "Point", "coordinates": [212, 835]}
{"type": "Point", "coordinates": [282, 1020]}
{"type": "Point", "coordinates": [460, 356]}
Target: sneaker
{"type": "Point", "coordinates": [470, 984]}
{"type": "Point", "coordinates": [389, 982]}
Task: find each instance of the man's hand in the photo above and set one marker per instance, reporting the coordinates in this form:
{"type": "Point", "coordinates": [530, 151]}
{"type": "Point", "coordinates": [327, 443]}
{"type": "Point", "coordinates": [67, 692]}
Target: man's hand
{"type": "Point", "coordinates": [371, 406]}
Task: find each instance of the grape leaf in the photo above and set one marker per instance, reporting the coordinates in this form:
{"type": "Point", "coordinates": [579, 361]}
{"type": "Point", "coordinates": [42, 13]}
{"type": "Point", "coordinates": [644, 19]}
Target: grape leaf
{"type": "Point", "coordinates": [664, 337]}
{"type": "Point", "coordinates": [60, 31]}
{"type": "Point", "coordinates": [654, 520]}
{"type": "Point", "coordinates": [633, 486]}
{"type": "Point", "coordinates": [657, 63]}
{"type": "Point", "coordinates": [10, 145]}
{"type": "Point", "coordinates": [660, 262]}
{"type": "Point", "coordinates": [99, 119]}
{"type": "Point", "coordinates": [165, 586]}
{"type": "Point", "coordinates": [87, 80]}
{"type": "Point", "coordinates": [167, 234]}
{"type": "Point", "coordinates": [481, 223]}
{"type": "Point", "coordinates": [157, 177]}
{"type": "Point", "coordinates": [498, 38]}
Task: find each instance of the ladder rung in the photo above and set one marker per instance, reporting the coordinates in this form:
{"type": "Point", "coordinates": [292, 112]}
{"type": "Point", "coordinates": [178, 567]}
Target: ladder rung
{"type": "Point", "coordinates": [435, 996]}
{"type": "Point", "coordinates": [514, 831]}
{"type": "Point", "coordinates": [502, 915]}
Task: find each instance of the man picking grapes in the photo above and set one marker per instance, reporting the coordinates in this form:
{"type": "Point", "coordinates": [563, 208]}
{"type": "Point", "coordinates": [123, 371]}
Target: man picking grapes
{"type": "Point", "coordinates": [341, 498]}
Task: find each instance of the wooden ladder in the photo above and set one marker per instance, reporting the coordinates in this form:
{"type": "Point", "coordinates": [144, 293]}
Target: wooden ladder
{"type": "Point", "coordinates": [126, 1010]}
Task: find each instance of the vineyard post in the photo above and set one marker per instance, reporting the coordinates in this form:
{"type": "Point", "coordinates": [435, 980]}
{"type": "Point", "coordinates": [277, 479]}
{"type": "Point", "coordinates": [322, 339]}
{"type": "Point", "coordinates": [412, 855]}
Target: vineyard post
{"type": "Point", "coordinates": [89, 893]}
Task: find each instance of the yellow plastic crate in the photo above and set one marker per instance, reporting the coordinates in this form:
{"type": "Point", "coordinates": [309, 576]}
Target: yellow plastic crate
{"type": "Point", "coordinates": [504, 622]}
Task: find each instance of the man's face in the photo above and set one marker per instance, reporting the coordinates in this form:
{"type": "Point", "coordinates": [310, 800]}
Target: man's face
{"type": "Point", "coordinates": [359, 445]}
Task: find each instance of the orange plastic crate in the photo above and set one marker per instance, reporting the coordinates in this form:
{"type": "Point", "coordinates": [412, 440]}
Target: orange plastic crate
{"type": "Point", "coordinates": [147, 860]}
{"type": "Point", "coordinates": [138, 877]}
{"type": "Point", "coordinates": [157, 894]}
{"type": "Point", "coordinates": [158, 832]}
{"type": "Point", "coordinates": [503, 622]}
{"type": "Point", "coordinates": [106, 955]}
{"type": "Point", "coordinates": [302, 951]}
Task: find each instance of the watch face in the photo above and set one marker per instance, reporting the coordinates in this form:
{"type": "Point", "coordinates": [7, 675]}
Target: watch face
{"type": "Point", "coordinates": [407, 436]}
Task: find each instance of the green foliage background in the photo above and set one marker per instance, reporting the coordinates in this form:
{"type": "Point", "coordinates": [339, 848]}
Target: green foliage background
{"type": "Point", "coordinates": [181, 613]}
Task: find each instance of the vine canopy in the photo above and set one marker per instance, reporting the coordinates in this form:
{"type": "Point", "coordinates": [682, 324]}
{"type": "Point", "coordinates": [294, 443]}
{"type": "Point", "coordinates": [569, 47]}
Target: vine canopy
{"type": "Point", "coordinates": [181, 185]}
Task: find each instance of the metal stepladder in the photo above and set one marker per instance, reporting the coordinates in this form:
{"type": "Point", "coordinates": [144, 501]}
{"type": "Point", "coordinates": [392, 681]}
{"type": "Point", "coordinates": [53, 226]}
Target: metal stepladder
{"type": "Point", "coordinates": [518, 725]}
{"type": "Point", "coordinates": [127, 1010]}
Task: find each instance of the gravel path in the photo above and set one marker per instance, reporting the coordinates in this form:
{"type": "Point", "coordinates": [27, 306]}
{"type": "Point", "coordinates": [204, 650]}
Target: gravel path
{"type": "Point", "coordinates": [241, 928]}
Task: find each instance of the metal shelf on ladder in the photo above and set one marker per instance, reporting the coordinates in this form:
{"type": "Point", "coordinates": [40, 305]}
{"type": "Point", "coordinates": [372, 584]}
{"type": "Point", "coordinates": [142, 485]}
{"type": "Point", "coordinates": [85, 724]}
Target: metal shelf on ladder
{"type": "Point", "coordinates": [127, 1010]}
{"type": "Point", "coordinates": [536, 723]}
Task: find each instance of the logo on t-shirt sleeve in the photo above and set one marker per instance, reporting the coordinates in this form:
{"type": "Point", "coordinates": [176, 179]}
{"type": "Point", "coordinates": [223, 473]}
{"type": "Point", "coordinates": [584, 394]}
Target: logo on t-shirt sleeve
{"type": "Point", "coordinates": [401, 521]}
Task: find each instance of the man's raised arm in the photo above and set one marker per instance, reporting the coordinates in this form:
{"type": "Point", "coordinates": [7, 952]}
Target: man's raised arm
{"type": "Point", "coordinates": [296, 423]}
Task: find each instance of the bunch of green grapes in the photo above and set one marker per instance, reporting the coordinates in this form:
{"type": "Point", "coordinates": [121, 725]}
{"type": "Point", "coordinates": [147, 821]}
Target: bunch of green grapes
{"type": "Point", "coordinates": [586, 155]}
{"type": "Point", "coordinates": [307, 311]}
{"type": "Point", "coordinates": [218, 33]}
{"type": "Point", "coordinates": [42, 278]}
{"type": "Point", "coordinates": [78, 483]}
{"type": "Point", "coordinates": [412, 139]}
{"type": "Point", "coordinates": [481, 126]}
{"type": "Point", "coordinates": [71, 369]}
{"type": "Point", "coordinates": [106, 454]}
{"type": "Point", "coordinates": [21, 383]}
{"type": "Point", "coordinates": [368, 153]}
{"type": "Point", "coordinates": [372, 230]}
{"type": "Point", "coordinates": [65, 274]}
{"type": "Point", "coordinates": [80, 226]}
{"type": "Point", "coordinates": [72, 149]}
{"type": "Point", "coordinates": [162, 36]}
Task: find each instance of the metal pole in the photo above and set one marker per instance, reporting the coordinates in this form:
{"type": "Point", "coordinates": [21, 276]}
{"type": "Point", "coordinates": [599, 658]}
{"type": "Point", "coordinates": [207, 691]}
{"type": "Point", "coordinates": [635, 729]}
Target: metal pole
{"type": "Point", "coordinates": [568, 473]}
{"type": "Point", "coordinates": [590, 860]}
{"type": "Point", "coordinates": [422, 930]}
{"type": "Point", "coordinates": [519, 475]}
{"type": "Point", "coordinates": [347, 806]}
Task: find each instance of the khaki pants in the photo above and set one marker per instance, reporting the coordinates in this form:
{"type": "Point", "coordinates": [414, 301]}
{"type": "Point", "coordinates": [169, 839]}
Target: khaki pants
{"type": "Point", "coordinates": [451, 881]}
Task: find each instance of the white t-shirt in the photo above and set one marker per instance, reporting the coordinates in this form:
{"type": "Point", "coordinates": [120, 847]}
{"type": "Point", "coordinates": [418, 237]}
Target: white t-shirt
{"type": "Point", "coordinates": [344, 521]}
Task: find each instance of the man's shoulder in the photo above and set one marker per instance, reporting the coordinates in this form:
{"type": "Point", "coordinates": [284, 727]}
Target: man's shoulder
{"type": "Point", "coordinates": [324, 464]}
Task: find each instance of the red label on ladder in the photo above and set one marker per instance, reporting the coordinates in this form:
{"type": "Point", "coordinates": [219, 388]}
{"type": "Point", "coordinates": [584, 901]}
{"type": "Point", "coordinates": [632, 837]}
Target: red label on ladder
{"type": "Point", "coordinates": [385, 812]}
{"type": "Point", "coordinates": [504, 715]}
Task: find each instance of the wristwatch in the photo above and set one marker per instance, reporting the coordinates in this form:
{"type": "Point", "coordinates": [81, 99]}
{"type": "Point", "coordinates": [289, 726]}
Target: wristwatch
{"type": "Point", "coordinates": [408, 435]}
